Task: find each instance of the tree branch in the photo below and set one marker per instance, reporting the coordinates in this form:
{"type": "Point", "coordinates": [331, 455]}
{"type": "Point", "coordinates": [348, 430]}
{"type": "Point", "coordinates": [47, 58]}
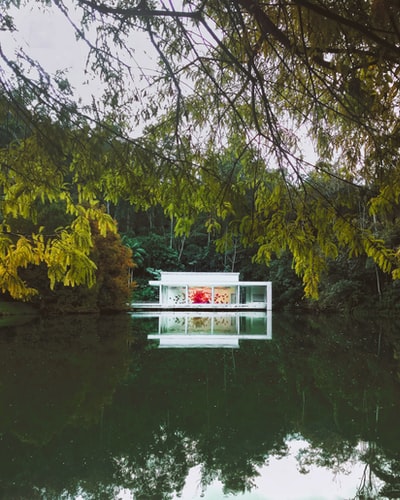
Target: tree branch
{"type": "Point", "coordinates": [139, 11]}
{"type": "Point", "coordinates": [345, 21]}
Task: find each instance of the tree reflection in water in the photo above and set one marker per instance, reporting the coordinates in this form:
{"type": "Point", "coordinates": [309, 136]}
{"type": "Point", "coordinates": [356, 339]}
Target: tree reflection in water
{"type": "Point", "coordinates": [89, 407]}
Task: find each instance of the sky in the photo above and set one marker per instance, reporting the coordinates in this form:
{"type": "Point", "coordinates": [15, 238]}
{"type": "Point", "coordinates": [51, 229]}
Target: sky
{"type": "Point", "coordinates": [47, 36]}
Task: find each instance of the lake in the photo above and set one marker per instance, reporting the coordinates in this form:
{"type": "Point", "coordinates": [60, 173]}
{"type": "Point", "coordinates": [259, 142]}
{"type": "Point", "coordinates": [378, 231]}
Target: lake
{"type": "Point", "coordinates": [130, 407]}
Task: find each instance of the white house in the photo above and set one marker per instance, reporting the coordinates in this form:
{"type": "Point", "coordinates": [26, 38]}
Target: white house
{"type": "Point", "coordinates": [196, 290]}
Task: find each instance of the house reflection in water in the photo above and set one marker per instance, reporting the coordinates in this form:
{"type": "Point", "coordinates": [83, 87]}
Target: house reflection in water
{"type": "Point", "coordinates": [208, 329]}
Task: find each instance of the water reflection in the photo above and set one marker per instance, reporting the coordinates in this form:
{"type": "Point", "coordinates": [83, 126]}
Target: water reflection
{"type": "Point", "coordinates": [174, 329]}
{"type": "Point", "coordinates": [89, 408]}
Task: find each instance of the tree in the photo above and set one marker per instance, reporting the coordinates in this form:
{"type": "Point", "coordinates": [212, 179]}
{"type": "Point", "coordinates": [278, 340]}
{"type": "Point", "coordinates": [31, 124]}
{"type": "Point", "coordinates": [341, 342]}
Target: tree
{"type": "Point", "coordinates": [114, 276]}
{"type": "Point", "coordinates": [112, 260]}
{"type": "Point", "coordinates": [256, 77]}
{"type": "Point", "coordinates": [49, 167]}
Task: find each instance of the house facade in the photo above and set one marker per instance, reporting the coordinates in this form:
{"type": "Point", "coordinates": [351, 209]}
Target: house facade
{"type": "Point", "coordinates": [196, 290]}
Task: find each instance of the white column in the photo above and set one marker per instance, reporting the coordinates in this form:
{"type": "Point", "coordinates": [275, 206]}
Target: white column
{"type": "Point", "coordinates": [269, 296]}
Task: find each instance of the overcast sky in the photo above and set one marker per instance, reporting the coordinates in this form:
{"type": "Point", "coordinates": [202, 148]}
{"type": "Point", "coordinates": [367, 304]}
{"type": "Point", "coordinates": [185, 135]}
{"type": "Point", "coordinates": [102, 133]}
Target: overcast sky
{"type": "Point", "coordinates": [47, 36]}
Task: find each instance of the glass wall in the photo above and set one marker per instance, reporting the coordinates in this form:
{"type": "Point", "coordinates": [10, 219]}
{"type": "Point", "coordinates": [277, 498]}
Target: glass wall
{"type": "Point", "coordinates": [174, 295]}
{"type": "Point", "coordinates": [253, 294]}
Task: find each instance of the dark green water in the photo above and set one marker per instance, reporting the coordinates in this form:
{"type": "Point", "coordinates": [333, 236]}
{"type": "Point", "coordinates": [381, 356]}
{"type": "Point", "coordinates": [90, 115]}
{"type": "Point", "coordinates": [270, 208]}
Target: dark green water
{"type": "Point", "coordinates": [90, 408]}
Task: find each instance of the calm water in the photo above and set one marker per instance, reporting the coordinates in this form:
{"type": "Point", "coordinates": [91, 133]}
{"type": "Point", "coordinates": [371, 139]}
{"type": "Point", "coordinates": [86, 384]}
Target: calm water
{"type": "Point", "coordinates": [93, 407]}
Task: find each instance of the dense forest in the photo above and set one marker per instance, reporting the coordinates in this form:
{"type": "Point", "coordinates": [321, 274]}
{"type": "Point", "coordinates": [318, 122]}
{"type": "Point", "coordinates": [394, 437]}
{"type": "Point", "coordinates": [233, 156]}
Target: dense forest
{"type": "Point", "coordinates": [264, 139]}
{"type": "Point", "coordinates": [346, 286]}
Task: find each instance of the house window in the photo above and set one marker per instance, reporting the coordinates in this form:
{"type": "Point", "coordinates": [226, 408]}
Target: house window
{"type": "Point", "coordinates": [176, 295]}
{"type": "Point", "coordinates": [222, 295]}
{"type": "Point", "coordinates": [258, 294]}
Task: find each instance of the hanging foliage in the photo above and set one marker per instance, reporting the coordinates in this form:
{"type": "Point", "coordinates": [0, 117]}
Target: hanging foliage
{"type": "Point", "coordinates": [277, 120]}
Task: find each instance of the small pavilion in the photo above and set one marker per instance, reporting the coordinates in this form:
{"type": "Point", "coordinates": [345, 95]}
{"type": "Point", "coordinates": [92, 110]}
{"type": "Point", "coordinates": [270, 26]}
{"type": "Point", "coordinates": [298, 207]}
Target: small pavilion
{"type": "Point", "coordinates": [213, 290]}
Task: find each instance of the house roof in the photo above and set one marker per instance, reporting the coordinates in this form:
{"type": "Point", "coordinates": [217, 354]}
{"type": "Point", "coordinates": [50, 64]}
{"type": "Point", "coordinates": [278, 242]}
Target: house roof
{"type": "Point", "coordinates": [195, 278]}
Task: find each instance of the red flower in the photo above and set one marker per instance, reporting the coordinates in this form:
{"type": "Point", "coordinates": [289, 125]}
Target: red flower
{"type": "Point", "coordinates": [200, 297]}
